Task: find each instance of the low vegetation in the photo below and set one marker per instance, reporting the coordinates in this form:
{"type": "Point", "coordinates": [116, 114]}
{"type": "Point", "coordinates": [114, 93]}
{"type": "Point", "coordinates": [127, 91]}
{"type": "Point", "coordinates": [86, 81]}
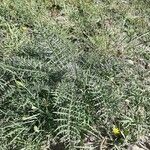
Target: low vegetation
{"type": "Point", "coordinates": [74, 74]}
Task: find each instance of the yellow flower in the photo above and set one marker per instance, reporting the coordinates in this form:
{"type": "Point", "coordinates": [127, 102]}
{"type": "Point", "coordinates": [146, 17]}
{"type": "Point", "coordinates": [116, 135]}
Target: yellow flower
{"type": "Point", "coordinates": [116, 131]}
